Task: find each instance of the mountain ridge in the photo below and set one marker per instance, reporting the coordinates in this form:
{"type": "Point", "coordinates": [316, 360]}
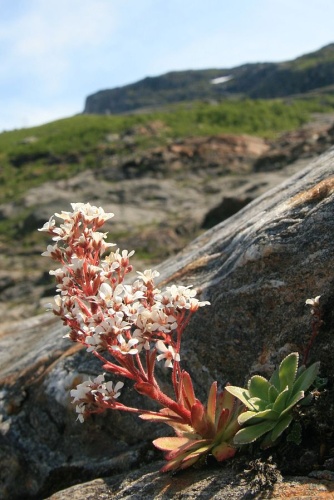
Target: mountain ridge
{"type": "Point", "coordinates": [306, 73]}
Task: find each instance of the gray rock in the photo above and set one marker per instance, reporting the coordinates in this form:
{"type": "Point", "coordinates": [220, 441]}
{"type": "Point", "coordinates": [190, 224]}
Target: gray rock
{"type": "Point", "coordinates": [206, 484]}
{"type": "Point", "coordinates": [256, 268]}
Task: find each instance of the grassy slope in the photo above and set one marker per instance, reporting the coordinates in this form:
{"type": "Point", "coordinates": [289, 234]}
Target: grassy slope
{"type": "Point", "coordinates": [58, 150]}
{"type": "Point", "coordinates": [29, 157]}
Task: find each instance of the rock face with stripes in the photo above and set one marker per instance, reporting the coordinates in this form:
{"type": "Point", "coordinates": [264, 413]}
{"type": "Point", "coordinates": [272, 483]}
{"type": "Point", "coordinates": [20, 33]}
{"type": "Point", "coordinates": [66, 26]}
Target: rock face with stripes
{"type": "Point", "coordinates": [257, 268]}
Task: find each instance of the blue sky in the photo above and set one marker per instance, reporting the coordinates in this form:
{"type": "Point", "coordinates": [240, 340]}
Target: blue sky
{"type": "Point", "coordinates": [53, 53]}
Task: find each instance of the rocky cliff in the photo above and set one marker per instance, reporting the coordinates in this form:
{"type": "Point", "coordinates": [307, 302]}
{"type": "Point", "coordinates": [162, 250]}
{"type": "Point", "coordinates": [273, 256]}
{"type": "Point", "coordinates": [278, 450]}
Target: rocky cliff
{"type": "Point", "coordinates": [256, 268]}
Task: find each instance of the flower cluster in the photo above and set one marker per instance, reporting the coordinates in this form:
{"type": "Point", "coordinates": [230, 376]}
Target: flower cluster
{"type": "Point", "coordinates": [314, 303]}
{"type": "Point", "coordinates": [128, 326]}
{"type": "Point", "coordinates": [102, 312]}
{"type": "Point", "coordinates": [91, 396]}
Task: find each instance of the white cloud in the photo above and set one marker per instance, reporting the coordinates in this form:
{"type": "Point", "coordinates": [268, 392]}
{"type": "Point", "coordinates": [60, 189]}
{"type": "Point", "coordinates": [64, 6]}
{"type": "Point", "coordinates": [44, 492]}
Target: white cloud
{"type": "Point", "coordinates": [41, 43]}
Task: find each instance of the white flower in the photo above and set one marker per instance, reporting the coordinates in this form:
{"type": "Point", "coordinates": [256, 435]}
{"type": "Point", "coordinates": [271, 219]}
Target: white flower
{"type": "Point", "coordinates": [50, 250]}
{"type": "Point", "coordinates": [91, 212]}
{"type": "Point", "coordinates": [194, 304]}
{"type": "Point", "coordinates": [145, 322]}
{"type": "Point", "coordinates": [76, 264]}
{"type": "Point", "coordinates": [121, 257]}
{"type": "Point", "coordinates": [132, 295]}
{"type": "Point", "coordinates": [313, 302]}
{"type": "Point", "coordinates": [168, 353]}
{"type": "Point", "coordinates": [126, 347]}
{"type": "Point", "coordinates": [109, 265]}
{"type": "Point", "coordinates": [88, 211]}
{"type": "Point", "coordinates": [148, 275]}
{"type": "Point", "coordinates": [106, 389]}
{"type": "Point", "coordinates": [99, 379]}
{"type": "Point", "coordinates": [80, 409]}
{"type": "Point", "coordinates": [81, 391]}
{"type": "Point", "coordinates": [143, 340]}
{"type": "Point", "coordinates": [109, 391]}
{"type": "Point", "coordinates": [48, 226]}
{"type": "Point", "coordinates": [97, 236]}
{"type": "Point", "coordinates": [59, 273]}
{"type": "Point", "coordinates": [110, 295]}
{"type": "Point", "coordinates": [58, 308]}
{"type": "Point", "coordinates": [181, 297]}
{"type": "Point", "coordinates": [93, 341]}
{"type": "Point", "coordinates": [113, 325]}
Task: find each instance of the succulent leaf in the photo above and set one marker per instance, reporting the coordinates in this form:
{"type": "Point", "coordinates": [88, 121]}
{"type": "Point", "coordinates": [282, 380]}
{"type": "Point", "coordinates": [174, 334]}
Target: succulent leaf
{"type": "Point", "coordinates": [199, 419]}
{"type": "Point", "coordinates": [170, 443]}
{"type": "Point", "coordinates": [165, 415]}
{"type": "Point", "coordinates": [186, 455]}
{"type": "Point", "coordinates": [253, 432]}
{"type": "Point", "coordinates": [259, 387]}
{"type": "Point", "coordinates": [270, 403]}
{"type": "Point", "coordinates": [281, 426]}
{"type": "Point", "coordinates": [306, 378]}
{"type": "Point", "coordinates": [223, 419]}
{"type": "Point", "coordinates": [197, 413]}
{"type": "Point", "coordinates": [281, 400]}
{"type": "Point", "coordinates": [225, 399]}
{"type": "Point", "coordinates": [245, 416]}
{"type": "Point", "coordinates": [288, 370]}
{"type": "Point", "coordinates": [192, 457]}
{"type": "Point", "coordinates": [190, 460]}
{"type": "Point", "coordinates": [231, 428]}
{"type": "Point", "coordinates": [272, 394]}
{"type": "Point", "coordinates": [241, 394]}
{"type": "Point", "coordinates": [223, 451]}
{"type": "Point", "coordinates": [252, 417]}
{"type": "Point", "coordinates": [212, 401]}
{"type": "Point", "coordinates": [188, 390]}
{"type": "Point", "coordinates": [274, 380]}
{"type": "Point", "coordinates": [190, 447]}
{"type": "Point", "coordinates": [173, 464]}
{"type": "Point", "coordinates": [183, 430]}
{"type": "Point", "coordinates": [258, 404]}
{"type": "Point", "coordinates": [292, 402]}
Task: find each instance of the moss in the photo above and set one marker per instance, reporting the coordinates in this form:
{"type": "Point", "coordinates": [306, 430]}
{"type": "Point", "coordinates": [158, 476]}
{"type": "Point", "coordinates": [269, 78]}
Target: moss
{"type": "Point", "coordinates": [262, 475]}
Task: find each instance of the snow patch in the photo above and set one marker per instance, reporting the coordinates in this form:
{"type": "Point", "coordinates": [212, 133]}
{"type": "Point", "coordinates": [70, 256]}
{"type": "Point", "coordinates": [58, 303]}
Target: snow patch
{"type": "Point", "coordinates": [221, 79]}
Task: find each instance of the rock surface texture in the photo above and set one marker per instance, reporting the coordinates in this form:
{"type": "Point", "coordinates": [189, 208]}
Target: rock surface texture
{"type": "Point", "coordinates": [206, 484]}
{"type": "Point", "coordinates": [163, 198]}
{"type": "Point", "coordinates": [257, 268]}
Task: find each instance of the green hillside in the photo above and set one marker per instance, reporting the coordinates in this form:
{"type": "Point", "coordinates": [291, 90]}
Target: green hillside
{"type": "Point", "coordinates": [62, 148]}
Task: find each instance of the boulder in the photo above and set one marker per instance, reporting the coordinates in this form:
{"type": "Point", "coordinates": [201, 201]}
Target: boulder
{"type": "Point", "coordinates": [256, 268]}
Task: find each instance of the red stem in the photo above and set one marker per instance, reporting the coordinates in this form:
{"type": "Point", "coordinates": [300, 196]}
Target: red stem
{"type": "Point", "coordinates": [316, 324]}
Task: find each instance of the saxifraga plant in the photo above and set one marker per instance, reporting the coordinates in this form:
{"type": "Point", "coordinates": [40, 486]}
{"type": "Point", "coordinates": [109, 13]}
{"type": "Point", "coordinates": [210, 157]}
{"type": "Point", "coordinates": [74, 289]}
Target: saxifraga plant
{"type": "Point", "coordinates": [270, 403]}
{"type": "Point", "coordinates": [130, 327]}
